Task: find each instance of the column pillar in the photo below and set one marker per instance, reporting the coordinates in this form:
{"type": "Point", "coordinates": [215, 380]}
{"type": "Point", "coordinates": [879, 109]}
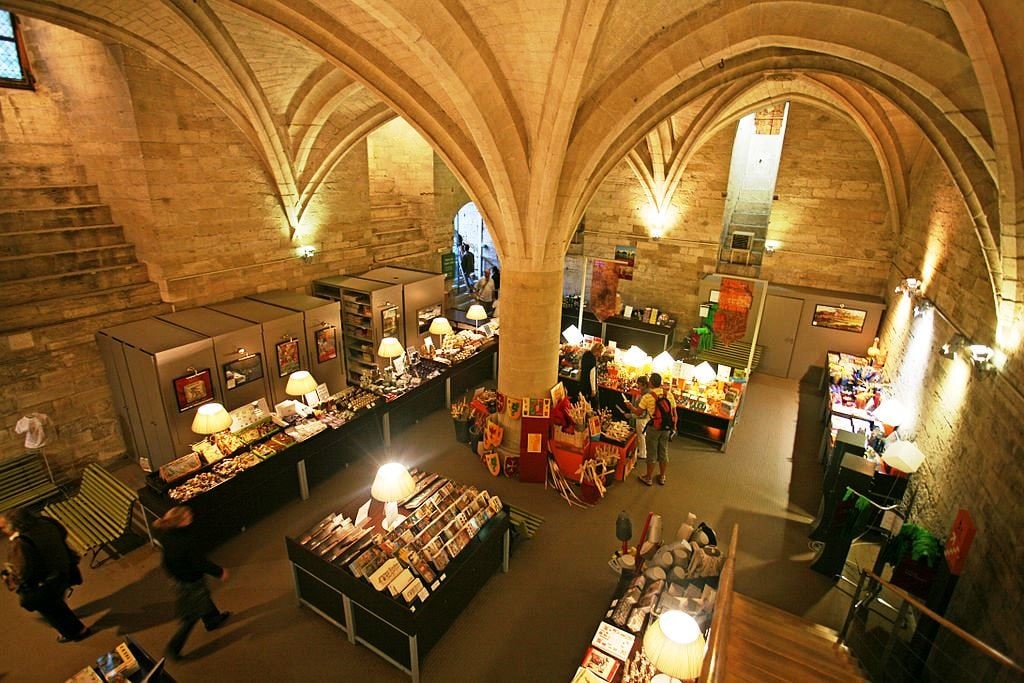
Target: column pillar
{"type": "Point", "coordinates": [530, 311]}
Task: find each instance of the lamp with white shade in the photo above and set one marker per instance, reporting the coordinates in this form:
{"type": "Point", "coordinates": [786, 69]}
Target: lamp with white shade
{"type": "Point", "coordinates": [663, 363]}
{"type": "Point", "coordinates": [891, 412]}
{"type": "Point", "coordinates": [675, 645]}
{"type": "Point", "coordinates": [300, 383]}
{"type": "Point", "coordinates": [390, 348]}
{"type": "Point", "coordinates": [573, 335]}
{"type": "Point", "coordinates": [904, 456]}
{"type": "Point", "coordinates": [210, 419]}
{"type": "Point", "coordinates": [704, 373]}
{"type": "Point", "coordinates": [476, 313]}
{"type": "Point", "coordinates": [392, 484]}
{"type": "Point", "coordinates": [441, 327]}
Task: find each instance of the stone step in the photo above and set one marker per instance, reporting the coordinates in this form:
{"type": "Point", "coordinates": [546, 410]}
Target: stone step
{"type": "Point", "coordinates": [67, 284]}
{"type": "Point", "coordinates": [66, 334]}
{"type": "Point", "coordinates": [393, 252]}
{"type": "Point", "coordinates": [55, 153]}
{"type": "Point", "coordinates": [388, 211]}
{"type": "Point", "coordinates": [388, 237]}
{"type": "Point", "coordinates": [35, 175]}
{"type": "Point", "coordinates": [35, 265]}
{"type": "Point", "coordinates": [48, 196]}
{"type": "Point", "coordinates": [60, 239]}
{"type": "Point", "coordinates": [33, 314]}
{"type": "Point", "coordinates": [54, 217]}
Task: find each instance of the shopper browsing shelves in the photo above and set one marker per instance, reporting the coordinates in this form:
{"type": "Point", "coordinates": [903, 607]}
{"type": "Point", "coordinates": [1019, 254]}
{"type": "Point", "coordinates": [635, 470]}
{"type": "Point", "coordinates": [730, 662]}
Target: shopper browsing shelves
{"type": "Point", "coordinates": [660, 409]}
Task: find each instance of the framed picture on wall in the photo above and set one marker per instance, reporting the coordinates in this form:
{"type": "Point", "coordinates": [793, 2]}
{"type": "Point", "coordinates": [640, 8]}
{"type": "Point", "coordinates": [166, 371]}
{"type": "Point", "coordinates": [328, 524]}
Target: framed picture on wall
{"type": "Point", "coordinates": [287, 357]}
{"type": "Point", "coordinates": [326, 344]}
{"type": "Point", "coordinates": [193, 390]}
{"type": "Point", "coordinates": [242, 371]}
{"type": "Point", "coordinates": [389, 321]}
{"type": "Point", "coordinates": [839, 318]}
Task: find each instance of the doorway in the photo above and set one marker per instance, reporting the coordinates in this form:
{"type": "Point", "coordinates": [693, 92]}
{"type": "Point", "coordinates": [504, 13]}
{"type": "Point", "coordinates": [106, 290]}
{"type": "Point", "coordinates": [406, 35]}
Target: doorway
{"type": "Point", "coordinates": [778, 333]}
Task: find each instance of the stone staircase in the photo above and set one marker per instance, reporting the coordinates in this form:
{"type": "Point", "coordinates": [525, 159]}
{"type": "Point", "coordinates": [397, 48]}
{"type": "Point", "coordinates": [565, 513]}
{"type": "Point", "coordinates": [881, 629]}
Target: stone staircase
{"type": "Point", "coordinates": [397, 233]}
{"type": "Point", "coordinates": [66, 271]}
{"type": "Point", "coordinates": [766, 644]}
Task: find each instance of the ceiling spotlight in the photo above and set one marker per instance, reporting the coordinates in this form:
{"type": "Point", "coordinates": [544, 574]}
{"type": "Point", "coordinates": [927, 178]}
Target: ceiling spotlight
{"type": "Point", "coordinates": [909, 286]}
{"type": "Point", "coordinates": [922, 306]}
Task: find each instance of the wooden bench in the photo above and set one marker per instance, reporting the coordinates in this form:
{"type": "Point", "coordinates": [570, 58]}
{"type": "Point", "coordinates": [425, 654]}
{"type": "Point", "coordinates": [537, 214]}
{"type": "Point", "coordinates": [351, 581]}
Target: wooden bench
{"type": "Point", "coordinates": [96, 516]}
{"type": "Point", "coordinates": [525, 523]}
{"type": "Point", "coordinates": [735, 355]}
{"type": "Point", "coordinates": [25, 480]}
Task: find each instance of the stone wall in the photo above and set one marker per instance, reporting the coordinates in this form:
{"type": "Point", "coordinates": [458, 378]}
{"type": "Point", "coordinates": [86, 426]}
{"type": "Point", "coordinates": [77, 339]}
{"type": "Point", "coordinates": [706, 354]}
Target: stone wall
{"type": "Point", "coordinates": [968, 426]}
{"type": "Point", "coordinates": [831, 216]}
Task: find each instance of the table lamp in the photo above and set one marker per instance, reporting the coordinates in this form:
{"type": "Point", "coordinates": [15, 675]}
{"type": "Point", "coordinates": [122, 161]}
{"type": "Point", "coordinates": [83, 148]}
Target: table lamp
{"type": "Point", "coordinates": [392, 484]}
{"type": "Point", "coordinates": [573, 335]}
{"type": "Point", "coordinates": [704, 373]}
{"type": "Point", "coordinates": [675, 645]}
{"type": "Point", "coordinates": [390, 348]}
{"type": "Point", "coordinates": [663, 364]}
{"type": "Point", "coordinates": [904, 456]}
{"type": "Point", "coordinates": [441, 327]}
{"type": "Point", "coordinates": [476, 313]}
{"type": "Point", "coordinates": [300, 383]}
{"type": "Point", "coordinates": [210, 419]}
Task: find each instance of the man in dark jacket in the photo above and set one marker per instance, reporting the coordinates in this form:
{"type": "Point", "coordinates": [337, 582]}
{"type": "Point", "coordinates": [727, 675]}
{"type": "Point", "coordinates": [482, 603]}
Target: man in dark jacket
{"type": "Point", "coordinates": [189, 569]}
{"type": "Point", "coordinates": [41, 568]}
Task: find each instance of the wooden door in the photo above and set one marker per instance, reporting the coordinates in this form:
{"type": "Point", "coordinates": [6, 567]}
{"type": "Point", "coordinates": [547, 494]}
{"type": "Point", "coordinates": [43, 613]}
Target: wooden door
{"type": "Point", "coordinates": [778, 333]}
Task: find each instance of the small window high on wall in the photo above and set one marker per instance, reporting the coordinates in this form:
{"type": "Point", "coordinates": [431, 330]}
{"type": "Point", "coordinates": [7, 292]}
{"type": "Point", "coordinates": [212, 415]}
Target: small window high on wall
{"type": "Point", "coordinates": [13, 64]}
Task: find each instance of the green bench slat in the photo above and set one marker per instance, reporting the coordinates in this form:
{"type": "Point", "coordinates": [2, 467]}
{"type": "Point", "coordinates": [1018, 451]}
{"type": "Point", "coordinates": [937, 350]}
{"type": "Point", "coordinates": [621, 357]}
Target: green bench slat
{"type": "Point", "coordinates": [518, 516]}
{"type": "Point", "coordinates": [25, 480]}
{"type": "Point", "coordinates": [99, 513]}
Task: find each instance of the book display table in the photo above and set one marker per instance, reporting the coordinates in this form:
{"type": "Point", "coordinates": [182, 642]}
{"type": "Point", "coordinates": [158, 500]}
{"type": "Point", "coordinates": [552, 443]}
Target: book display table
{"type": "Point", "coordinates": [401, 633]}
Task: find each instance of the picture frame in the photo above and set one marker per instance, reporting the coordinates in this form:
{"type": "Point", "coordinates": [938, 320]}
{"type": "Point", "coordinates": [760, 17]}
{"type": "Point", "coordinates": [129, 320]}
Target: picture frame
{"type": "Point", "coordinates": [557, 393]}
{"type": "Point", "coordinates": [389, 321]}
{"type": "Point", "coordinates": [193, 390]}
{"type": "Point", "coordinates": [425, 315]}
{"type": "Point", "coordinates": [326, 343]}
{"type": "Point", "coordinates": [287, 357]}
{"type": "Point", "coordinates": [839, 317]}
{"type": "Point", "coordinates": [242, 371]}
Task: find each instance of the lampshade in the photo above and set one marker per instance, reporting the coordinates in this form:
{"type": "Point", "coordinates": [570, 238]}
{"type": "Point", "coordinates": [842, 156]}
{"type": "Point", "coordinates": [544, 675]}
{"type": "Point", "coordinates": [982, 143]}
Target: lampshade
{"type": "Point", "coordinates": [390, 348]}
{"type": "Point", "coordinates": [392, 483]}
{"type": "Point", "coordinates": [210, 419]}
{"type": "Point", "coordinates": [300, 383]}
{"type": "Point", "coordinates": [476, 312]}
{"type": "Point", "coordinates": [904, 456]}
{"type": "Point", "coordinates": [663, 363]}
{"type": "Point", "coordinates": [674, 645]}
{"type": "Point", "coordinates": [704, 373]}
{"type": "Point", "coordinates": [891, 412]}
{"type": "Point", "coordinates": [573, 335]}
{"type": "Point", "coordinates": [635, 357]}
{"type": "Point", "coordinates": [440, 325]}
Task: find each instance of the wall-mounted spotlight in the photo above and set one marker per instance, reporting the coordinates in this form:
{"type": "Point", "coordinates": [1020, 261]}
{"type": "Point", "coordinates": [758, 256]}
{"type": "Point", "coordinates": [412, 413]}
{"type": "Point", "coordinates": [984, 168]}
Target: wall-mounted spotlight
{"type": "Point", "coordinates": [986, 360]}
{"type": "Point", "coordinates": [921, 306]}
{"type": "Point", "coordinates": [910, 286]}
{"type": "Point", "coordinates": [770, 246]}
{"type": "Point", "coordinates": [955, 344]}
{"type": "Point", "coordinates": [307, 253]}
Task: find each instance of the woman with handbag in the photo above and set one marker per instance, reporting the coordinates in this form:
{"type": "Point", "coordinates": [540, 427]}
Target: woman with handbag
{"type": "Point", "coordinates": [41, 568]}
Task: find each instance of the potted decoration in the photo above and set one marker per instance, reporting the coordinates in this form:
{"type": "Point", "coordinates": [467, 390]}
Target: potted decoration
{"type": "Point", "coordinates": [461, 417]}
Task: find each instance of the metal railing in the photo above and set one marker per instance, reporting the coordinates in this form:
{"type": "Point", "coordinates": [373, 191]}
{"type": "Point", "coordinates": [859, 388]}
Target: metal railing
{"type": "Point", "coordinates": [714, 666]}
{"type": "Point", "coordinates": [899, 639]}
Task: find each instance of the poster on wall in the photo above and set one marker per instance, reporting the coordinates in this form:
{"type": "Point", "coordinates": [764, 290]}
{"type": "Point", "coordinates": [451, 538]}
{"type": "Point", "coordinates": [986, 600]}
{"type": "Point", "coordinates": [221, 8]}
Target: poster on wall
{"type": "Point", "coordinates": [838, 318]}
{"type": "Point", "coordinates": [287, 357]}
{"type": "Point", "coordinates": [389, 321]}
{"type": "Point", "coordinates": [734, 300]}
{"type": "Point", "coordinates": [604, 285]}
{"type": "Point", "coordinates": [246, 369]}
{"type": "Point", "coordinates": [626, 256]}
{"type": "Point", "coordinates": [192, 390]}
{"type": "Point", "coordinates": [326, 344]}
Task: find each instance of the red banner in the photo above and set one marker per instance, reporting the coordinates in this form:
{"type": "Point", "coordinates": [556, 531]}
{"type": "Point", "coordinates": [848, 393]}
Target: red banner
{"type": "Point", "coordinates": [734, 300]}
{"type": "Point", "coordinates": [604, 285]}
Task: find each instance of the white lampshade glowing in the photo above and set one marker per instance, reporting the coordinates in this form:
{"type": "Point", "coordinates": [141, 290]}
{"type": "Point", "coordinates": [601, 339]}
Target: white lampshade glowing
{"type": "Point", "coordinates": [891, 412]}
{"type": "Point", "coordinates": [704, 373]}
{"type": "Point", "coordinates": [904, 456]}
{"type": "Point", "coordinates": [675, 645]}
{"type": "Point", "coordinates": [390, 348]}
{"type": "Point", "coordinates": [210, 419]}
{"type": "Point", "coordinates": [573, 335]}
{"type": "Point", "coordinates": [440, 326]}
{"type": "Point", "coordinates": [476, 312]}
{"type": "Point", "coordinates": [300, 383]}
{"type": "Point", "coordinates": [663, 363]}
{"type": "Point", "coordinates": [392, 484]}
{"type": "Point", "coordinates": [635, 357]}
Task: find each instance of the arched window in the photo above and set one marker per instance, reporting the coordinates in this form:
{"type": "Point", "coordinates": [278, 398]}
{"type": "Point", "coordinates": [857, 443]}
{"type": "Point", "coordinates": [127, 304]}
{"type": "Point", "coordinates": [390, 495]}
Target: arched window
{"type": "Point", "coordinates": [14, 71]}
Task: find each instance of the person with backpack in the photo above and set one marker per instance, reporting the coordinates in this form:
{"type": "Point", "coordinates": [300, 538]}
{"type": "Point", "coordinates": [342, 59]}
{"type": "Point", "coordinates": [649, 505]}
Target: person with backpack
{"type": "Point", "coordinates": [41, 569]}
{"type": "Point", "coordinates": [660, 407]}
{"type": "Point", "coordinates": [643, 386]}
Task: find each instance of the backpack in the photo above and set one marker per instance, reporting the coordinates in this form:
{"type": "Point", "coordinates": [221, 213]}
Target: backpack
{"type": "Point", "coordinates": [662, 419]}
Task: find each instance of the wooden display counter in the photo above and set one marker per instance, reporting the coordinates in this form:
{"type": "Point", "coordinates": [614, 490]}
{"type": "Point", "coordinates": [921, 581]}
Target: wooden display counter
{"type": "Point", "coordinates": [711, 419]}
{"type": "Point", "coordinates": [625, 332]}
{"type": "Point", "coordinates": [400, 634]}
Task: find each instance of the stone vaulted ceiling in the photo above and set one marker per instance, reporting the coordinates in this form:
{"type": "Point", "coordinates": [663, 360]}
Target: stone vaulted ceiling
{"type": "Point", "coordinates": [532, 102]}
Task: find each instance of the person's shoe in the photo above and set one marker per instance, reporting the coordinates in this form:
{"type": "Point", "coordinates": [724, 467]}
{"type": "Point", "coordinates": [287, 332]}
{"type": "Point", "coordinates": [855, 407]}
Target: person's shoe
{"type": "Point", "coordinates": [218, 621]}
{"type": "Point", "coordinates": [645, 481]}
{"type": "Point", "coordinates": [82, 635]}
{"type": "Point", "coordinates": [661, 480]}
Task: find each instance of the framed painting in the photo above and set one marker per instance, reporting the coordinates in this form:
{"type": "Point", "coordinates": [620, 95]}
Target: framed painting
{"type": "Point", "coordinates": [557, 393]}
{"type": "Point", "coordinates": [326, 343]}
{"type": "Point", "coordinates": [243, 371]}
{"type": "Point", "coordinates": [193, 390]}
{"type": "Point", "coordinates": [839, 318]}
{"type": "Point", "coordinates": [389, 321]}
{"type": "Point", "coordinates": [288, 357]}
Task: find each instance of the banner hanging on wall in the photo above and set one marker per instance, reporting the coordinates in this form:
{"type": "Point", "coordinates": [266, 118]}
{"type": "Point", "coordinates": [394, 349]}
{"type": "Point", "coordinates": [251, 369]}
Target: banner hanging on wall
{"type": "Point", "coordinates": [734, 300]}
{"type": "Point", "coordinates": [604, 285]}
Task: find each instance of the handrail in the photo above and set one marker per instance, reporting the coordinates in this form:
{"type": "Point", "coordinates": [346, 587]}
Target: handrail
{"type": "Point", "coordinates": [714, 658]}
{"type": "Point", "coordinates": [982, 647]}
